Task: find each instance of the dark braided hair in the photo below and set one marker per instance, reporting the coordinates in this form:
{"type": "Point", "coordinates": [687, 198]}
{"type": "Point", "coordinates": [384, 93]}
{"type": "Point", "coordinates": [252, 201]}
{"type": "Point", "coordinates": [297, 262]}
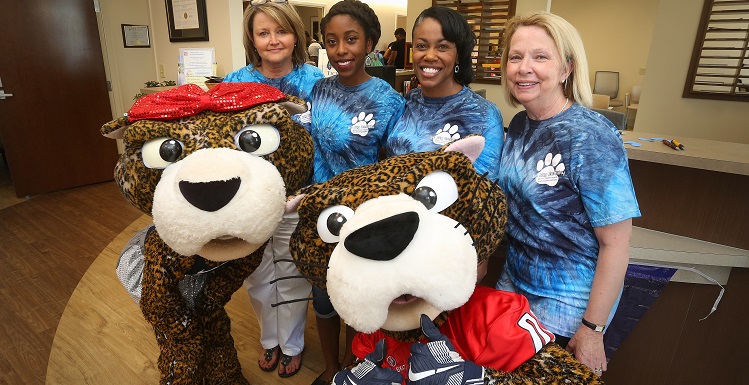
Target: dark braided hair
{"type": "Point", "coordinates": [455, 29]}
{"type": "Point", "coordinates": [362, 13]}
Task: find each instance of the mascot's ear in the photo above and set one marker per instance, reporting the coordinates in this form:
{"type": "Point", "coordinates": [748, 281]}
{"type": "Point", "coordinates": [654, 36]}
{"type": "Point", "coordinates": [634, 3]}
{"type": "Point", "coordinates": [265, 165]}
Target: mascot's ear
{"type": "Point", "coordinates": [294, 105]}
{"type": "Point", "coordinates": [292, 203]}
{"type": "Point", "coordinates": [470, 146]}
{"type": "Point", "coordinates": [115, 129]}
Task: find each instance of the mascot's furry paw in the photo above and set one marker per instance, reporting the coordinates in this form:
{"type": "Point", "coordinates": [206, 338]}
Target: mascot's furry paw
{"type": "Point", "coordinates": [552, 365]}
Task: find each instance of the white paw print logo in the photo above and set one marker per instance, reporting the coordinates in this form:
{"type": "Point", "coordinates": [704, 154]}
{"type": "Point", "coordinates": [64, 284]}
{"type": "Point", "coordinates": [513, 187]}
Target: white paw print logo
{"type": "Point", "coordinates": [549, 169]}
{"type": "Point", "coordinates": [362, 123]}
{"type": "Point", "coordinates": [306, 117]}
{"type": "Point", "coordinates": [446, 134]}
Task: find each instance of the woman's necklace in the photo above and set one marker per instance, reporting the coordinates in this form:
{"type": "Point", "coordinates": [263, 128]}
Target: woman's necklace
{"type": "Point", "coordinates": [563, 107]}
{"type": "Point", "coordinates": [566, 102]}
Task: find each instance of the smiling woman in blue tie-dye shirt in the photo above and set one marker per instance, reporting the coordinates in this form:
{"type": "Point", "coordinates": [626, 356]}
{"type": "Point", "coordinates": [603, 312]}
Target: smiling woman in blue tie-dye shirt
{"type": "Point", "coordinates": [352, 114]}
{"type": "Point", "coordinates": [443, 108]}
{"type": "Point", "coordinates": [569, 193]}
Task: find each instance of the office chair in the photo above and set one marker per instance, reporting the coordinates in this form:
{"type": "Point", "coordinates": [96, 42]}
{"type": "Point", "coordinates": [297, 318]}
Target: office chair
{"type": "Point", "coordinates": [632, 101]}
{"type": "Point", "coordinates": [607, 83]}
{"type": "Point", "coordinates": [619, 119]}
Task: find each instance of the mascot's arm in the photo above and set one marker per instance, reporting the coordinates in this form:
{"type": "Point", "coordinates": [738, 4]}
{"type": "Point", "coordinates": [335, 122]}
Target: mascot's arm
{"type": "Point", "coordinates": [551, 365]}
{"type": "Point", "coordinates": [437, 363]}
{"type": "Point", "coordinates": [162, 303]}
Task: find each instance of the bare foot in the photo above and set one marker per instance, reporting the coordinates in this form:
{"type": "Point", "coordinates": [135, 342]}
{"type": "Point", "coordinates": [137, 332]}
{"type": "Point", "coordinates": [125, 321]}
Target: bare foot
{"type": "Point", "coordinates": [290, 365]}
{"type": "Point", "coordinates": [269, 359]}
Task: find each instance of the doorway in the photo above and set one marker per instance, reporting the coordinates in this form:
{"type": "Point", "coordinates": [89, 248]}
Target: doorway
{"type": "Point", "coordinates": [53, 67]}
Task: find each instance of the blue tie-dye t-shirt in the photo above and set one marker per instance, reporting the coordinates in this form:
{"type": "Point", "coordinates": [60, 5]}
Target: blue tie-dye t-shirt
{"type": "Point", "coordinates": [351, 123]}
{"type": "Point", "coordinates": [428, 123]}
{"type": "Point", "coordinates": [298, 82]}
{"type": "Point", "coordinates": [562, 176]}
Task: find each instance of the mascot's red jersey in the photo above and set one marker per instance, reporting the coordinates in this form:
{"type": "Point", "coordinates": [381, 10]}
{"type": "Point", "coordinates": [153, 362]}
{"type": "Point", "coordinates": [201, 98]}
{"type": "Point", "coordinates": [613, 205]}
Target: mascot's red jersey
{"type": "Point", "coordinates": [494, 329]}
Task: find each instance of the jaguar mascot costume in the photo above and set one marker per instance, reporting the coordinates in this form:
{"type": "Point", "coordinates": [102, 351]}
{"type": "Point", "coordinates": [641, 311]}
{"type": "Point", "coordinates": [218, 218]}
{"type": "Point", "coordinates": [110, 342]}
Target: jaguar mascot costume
{"type": "Point", "coordinates": [396, 245]}
{"type": "Point", "coordinates": [214, 170]}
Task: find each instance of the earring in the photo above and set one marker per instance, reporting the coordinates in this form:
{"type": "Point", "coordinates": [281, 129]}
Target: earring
{"type": "Point", "coordinates": [565, 83]}
{"type": "Point", "coordinates": [457, 68]}
{"type": "Point", "coordinates": [368, 61]}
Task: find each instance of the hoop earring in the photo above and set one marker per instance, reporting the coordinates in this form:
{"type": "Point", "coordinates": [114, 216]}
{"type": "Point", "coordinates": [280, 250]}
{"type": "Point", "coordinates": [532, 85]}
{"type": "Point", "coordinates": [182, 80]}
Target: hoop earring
{"type": "Point", "coordinates": [565, 84]}
{"type": "Point", "coordinates": [457, 69]}
{"type": "Point", "coordinates": [368, 61]}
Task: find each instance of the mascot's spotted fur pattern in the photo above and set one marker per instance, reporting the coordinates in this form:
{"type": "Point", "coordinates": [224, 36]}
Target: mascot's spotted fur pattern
{"type": "Point", "coordinates": [403, 237]}
{"type": "Point", "coordinates": [215, 201]}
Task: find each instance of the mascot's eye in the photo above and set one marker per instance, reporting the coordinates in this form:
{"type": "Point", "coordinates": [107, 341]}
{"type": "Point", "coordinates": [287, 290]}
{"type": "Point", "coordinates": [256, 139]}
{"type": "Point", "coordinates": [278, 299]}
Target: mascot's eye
{"type": "Point", "coordinates": [427, 196]}
{"type": "Point", "coordinates": [161, 152]}
{"type": "Point", "coordinates": [437, 191]}
{"type": "Point", "coordinates": [260, 139]}
{"type": "Point", "coordinates": [330, 222]}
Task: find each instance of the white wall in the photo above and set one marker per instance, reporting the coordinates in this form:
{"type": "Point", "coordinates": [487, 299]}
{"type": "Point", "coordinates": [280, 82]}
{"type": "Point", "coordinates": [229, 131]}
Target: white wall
{"type": "Point", "coordinates": [616, 34]}
{"type": "Point", "coordinates": [128, 68]}
{"type": "Point", "coordinates": [224, 32]}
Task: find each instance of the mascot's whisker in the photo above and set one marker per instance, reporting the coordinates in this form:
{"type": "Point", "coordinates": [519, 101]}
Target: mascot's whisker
{"type": "Point", "coordinates": [305, 263]}
{"type": "Point", "coordinates": [298, 300]}
{"type": "Point", "coordinates": [287, 277]}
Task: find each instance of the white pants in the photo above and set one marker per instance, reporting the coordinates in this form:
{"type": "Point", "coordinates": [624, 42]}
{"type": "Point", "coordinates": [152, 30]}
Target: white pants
{"type": "Point", "coordinates": [282, 325]}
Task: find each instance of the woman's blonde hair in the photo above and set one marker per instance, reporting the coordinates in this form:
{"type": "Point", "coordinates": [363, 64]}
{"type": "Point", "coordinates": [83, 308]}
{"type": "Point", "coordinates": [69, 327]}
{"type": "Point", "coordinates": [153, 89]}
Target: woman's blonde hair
{"type": "Point", "coordinates": [570, 47]}
{"type": "Point", "coordinates": [287, 17]}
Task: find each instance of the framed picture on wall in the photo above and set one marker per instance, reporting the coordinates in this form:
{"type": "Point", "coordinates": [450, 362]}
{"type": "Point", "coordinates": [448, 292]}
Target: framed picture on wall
{"type": "Point", "coordinates": [187, 20]}
{"type": "Point", "coordinates": [135, 36]}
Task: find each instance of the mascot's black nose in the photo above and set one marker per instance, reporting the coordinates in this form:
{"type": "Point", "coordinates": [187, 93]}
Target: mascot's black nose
{"type": "Point", "coordinates": [210, 196]}
{"type": "Point", "coordinates": [385, 239]}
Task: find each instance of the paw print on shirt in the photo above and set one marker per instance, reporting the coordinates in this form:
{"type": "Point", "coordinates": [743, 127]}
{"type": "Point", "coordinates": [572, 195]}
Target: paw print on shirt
{"type": "Point", "coordinates": [306, 117]}
{"type": "Point", "coordinates": [362, 123]}
{"type": "Point", "coordinates": [446, 134]}
{"type": "Point", "coordinates": [549, 169]}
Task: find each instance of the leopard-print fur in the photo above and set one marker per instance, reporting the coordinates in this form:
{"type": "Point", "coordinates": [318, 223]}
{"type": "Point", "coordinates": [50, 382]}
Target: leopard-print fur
{"type": "Point", "coordinates": [195, 344]}
{"type": "Point", "coordinates": [552, 365]}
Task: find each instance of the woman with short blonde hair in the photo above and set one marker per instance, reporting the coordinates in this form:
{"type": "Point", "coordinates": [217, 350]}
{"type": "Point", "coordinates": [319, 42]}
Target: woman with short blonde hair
{"type": "Point", "coordinates": [570, 46]}
{"type": "Point", "coordinates": [287, 17]}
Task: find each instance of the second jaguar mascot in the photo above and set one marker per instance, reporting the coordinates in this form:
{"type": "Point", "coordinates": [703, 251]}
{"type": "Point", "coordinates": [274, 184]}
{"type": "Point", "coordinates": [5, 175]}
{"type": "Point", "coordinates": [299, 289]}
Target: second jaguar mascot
{"type": "Point", "coordinates": [397, 244]}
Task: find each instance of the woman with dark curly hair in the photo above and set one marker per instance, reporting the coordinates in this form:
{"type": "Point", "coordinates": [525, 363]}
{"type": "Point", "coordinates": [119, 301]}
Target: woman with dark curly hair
{"type": "Point", "coordinates": [351, 116]}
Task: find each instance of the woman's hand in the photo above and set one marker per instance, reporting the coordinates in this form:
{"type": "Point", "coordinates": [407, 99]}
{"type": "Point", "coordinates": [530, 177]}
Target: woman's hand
{"type": "Point", "coordinates": [587, 347]}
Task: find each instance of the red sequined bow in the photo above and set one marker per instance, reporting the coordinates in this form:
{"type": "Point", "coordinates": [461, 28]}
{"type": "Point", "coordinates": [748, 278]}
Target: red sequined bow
{"type": "Point", "coordinates": [189, 99]}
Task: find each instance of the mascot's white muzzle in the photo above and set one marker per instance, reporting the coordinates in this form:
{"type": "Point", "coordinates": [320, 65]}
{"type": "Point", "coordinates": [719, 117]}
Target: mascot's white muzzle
{"type": "Point", "coordinates": [435, 254]}
{"type": "Point", "coordinates": [220, 203]}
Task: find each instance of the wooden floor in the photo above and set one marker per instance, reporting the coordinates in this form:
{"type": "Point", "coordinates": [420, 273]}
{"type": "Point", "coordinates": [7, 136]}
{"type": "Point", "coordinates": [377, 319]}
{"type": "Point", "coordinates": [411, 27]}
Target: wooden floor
{"type": "Point", "coordinates": [66, 319]}
{"type": "Point", "coordinates": [47, 244]}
